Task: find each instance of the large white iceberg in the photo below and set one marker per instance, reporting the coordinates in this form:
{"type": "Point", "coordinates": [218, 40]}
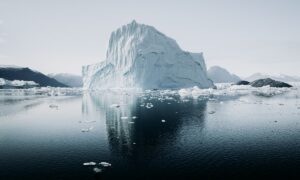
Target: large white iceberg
{"type": "Point", "coordinates": [139, 56]}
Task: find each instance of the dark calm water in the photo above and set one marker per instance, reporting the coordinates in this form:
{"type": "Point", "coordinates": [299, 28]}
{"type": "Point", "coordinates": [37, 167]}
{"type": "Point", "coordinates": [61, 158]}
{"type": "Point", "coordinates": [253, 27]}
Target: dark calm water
{"type": "Point", "coordinates": [204, 138]}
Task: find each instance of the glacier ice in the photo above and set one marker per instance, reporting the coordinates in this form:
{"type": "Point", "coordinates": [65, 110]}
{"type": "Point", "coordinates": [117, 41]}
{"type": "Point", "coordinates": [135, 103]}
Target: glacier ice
{"type": "Point", "coordinates": [17, 83]}
{"type": "Point", "coordinates": [220, 75]}
{"type": "Point", "coordinates": [141, 57]}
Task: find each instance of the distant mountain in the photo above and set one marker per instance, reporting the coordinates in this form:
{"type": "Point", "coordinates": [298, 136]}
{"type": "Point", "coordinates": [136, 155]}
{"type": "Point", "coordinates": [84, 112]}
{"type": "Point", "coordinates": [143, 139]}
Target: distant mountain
{"type": "Point", "coordinates": [68, 79]}
{"type": "Point", "coordinates": [12, 73]}
{"type": "Point", "coordinates": [281, 77]}
{"type": "Point", "coordinates": [220, 75]}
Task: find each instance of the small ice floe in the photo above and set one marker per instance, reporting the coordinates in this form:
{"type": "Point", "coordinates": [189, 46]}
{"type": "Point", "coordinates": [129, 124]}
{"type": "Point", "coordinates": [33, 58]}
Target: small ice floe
{"type": "Point", "coordinates": [211, 112]}
{"type": "Point", "coordinates": [105, 164]}
{"type": "Point", "coordinates": [87, 121]}
{"type": "Point", "coordinates": [53, 106]}
{"type": "Point", "coordinates": [221, 102]}
{"type": "Point", "coordinates": [124, 117]}
{"type": "Point", "coordinates": [89, 164]}
{"type": "Point", "coordinates": [176, 112]}
{"type": "Point", "coordinates": [131, 122]}
{"type": "Point", "coordinates": [87, 129]}
{"type": "Point", "coordinates": [149, 105]}
{"type": "Point", "coordinates": [134, 143]}
{"type": "Point", "coordinates": [163, 121]}
{"type": "Point", "coordinates": [134, 117]}
{"type": "Point", "coordinates": [97, 170]}
{"type": "Point", "coordinates": [115, 105]}
{"type": "Point", "coordinates": [142, 105]}
{"type": "Point", "coordinates": [169, 103]}
{"type": "Point", "coordinates": [185, 100]}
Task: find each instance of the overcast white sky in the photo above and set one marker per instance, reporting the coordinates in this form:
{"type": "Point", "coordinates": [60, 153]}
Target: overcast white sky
{"type": "Point", "coordinates": [244, 36]}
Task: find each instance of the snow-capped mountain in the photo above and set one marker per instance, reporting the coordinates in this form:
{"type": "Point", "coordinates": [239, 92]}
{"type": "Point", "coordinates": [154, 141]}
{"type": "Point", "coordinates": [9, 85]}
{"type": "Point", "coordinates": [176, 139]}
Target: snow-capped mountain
{"type": "Point", "coordinates": [70, 80]}
{"type": "Point", "coordinates": [12, 73]}
{"type": "Point", "coordinates": [280, 77]}
{"type": "Point", "coordinates": [220, 75]}
{"type": "Point", "coordinates": [139, 56]}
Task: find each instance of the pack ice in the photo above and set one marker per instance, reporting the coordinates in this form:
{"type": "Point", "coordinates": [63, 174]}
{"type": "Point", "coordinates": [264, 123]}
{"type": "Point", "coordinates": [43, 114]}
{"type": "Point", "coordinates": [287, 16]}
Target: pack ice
{"type": "Point", "coordinates": [139, 56]}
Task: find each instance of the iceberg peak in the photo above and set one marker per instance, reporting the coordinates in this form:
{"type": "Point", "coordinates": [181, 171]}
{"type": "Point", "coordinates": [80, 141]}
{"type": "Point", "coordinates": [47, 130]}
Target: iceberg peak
{"type": "Point", "coordinates": [139, 56]}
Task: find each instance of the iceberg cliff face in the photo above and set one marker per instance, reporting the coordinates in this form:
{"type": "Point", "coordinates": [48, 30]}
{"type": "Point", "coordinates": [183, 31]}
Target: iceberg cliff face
{"type": "Point", "coordinates": [139, 56]}
{"type": "Point", "coordinates": [221, 75]}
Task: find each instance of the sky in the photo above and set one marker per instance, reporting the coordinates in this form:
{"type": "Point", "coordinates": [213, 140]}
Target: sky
{"type": "Point", "coordinates": [243, 36]}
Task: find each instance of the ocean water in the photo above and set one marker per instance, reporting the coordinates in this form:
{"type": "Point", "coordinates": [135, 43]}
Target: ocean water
{"type": "Point", "coordinates": [204, 137]}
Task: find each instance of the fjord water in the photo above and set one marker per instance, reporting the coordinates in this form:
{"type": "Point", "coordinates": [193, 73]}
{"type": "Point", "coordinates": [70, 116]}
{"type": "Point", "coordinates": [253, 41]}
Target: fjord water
{"type": "Point", "coordinates": [206, 137]}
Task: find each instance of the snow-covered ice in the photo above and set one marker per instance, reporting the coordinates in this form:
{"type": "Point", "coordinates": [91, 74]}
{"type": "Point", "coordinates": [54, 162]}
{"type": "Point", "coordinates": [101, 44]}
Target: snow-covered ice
{"type": "Point", "coordinates": [139, 56]}
{"type": "Point", "coordinates": [17, 83]}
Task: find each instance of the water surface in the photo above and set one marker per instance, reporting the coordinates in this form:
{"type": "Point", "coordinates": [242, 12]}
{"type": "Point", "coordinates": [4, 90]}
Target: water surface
{"type": "Point", "coordinates": [206, 137]}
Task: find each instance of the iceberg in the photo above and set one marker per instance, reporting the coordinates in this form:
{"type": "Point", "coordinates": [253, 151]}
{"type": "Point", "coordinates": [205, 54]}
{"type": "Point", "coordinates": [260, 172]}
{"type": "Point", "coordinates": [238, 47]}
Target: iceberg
{"type": "Point", "coordinates": [220, 75]}
{"type": "Point", "coordinates": [139, 56]}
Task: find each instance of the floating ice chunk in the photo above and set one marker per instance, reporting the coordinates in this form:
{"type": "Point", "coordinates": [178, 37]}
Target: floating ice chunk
{"type": "Point", "coordinates": [134, 143]}
{"type": "Point", "coordinates": [87, 121]}
{"type": "Point", "coordinates": [134, 117]}
{"type": "Point", "coordinates": [211, 112]}
{"type": "Point", "coordinates": [131, 122]}
{"type": "Point", "coordinates": [105, 164]}
{"type": "Point", "coordinates": [89, 164]}
{"type": "Point", "coordinates": [115, 105]}
{"type": "Point", "coordinates": [163, 121]}
{"type": "Point", "coordinates": [87, 129]}
{"type": "Point", "coordinates": [124, 117]}
{"type": "Point", "coordinates": [149, 105]}
{"type": "Point", "coordinates": [97, 170]}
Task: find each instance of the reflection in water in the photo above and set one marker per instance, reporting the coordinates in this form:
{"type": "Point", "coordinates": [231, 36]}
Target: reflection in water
{"type": "Point", "coordinates": [140, 139]}
{"type": "Point", "coordinates": [248, 137]}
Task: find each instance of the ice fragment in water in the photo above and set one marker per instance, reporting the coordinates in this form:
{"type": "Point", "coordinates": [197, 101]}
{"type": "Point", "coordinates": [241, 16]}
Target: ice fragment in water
{"type": "Point", "coordinates": [124, 117]}
{"type": "Point", "coordinates": [163, 121]}
{"type": "Point", "coordinates": [89, 164]}
{"type": "Point", "coordinates": [115, 105]}
{"type": "Point", "coordinates": [87, 129]}
{"type": "Point", "coordinates": [134, 117]}
{"type": "Point", "coordinates": [97, 170]}
{"type": "Point", "coordinates": [105, 164]}
{"type": "Point", "coordinates": [149, 105]}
